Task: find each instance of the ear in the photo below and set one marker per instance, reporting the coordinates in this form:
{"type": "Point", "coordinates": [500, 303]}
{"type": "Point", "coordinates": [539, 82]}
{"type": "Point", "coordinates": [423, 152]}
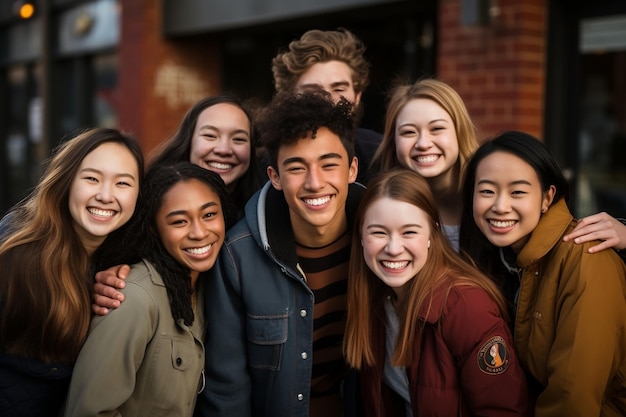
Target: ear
{"type": "Point", "coordinates": [548, 197]}
{"type": "Point", "coordinates": [357, 99]}
{"type": "Point", "coordinates": [274, 177]}
{"type": "Point", "coordinates": [353, 170]}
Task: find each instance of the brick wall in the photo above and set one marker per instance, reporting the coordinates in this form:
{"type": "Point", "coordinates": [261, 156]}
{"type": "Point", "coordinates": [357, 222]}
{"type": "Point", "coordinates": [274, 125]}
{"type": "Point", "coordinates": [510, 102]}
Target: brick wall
{"type": "Point", "coordinates": [160, 79]}
{"type": "Point", "coordinates": [498, 69]}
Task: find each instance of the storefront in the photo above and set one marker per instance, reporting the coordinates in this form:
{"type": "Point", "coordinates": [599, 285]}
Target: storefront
{"type": "Point", "coordinates": [586, 102]}
{"type": "Point", "coordinates": [58, 73]}
{"type": "Point", "coordinates": [553, 68]}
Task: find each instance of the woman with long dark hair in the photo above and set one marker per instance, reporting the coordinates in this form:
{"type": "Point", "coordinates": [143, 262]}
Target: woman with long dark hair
{"type": "Point", "coordinates": [49, 247]}
{"type": "Point", "coordinates": [569, 304]}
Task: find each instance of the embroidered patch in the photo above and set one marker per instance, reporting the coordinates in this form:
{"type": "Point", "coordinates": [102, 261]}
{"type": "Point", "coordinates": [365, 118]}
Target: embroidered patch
{"type": "Point", "coordinates": [493, 357]}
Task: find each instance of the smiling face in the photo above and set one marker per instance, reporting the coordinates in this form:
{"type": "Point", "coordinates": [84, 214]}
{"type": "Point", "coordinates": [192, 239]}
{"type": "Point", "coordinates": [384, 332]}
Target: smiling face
{"type": "Point", "coordinates": [333, 76]}
{"type": "Point", "coordinates": [190, 223]}
{"type": "Point", "coordinates": [508, 199]}
{"type": "Point", "coordinates": [103, 193]}
{"type": "Point", "coordinates": [221, 142]}
{"type": "Point", "coordinates": [314, 175]}
{"type": "Point", "coordinates": [395, 238]}
{"type": "Point", "coordinates": [426, 141]}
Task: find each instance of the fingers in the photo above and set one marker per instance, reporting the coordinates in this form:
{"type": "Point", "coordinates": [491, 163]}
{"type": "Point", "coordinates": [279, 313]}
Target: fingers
{"type": "Point", "coordinates": [99, 311]}
{"type": "Point", "coordinates": [122, 272]}
{"type": "Point", "coordinates": [599, 247]}
{"type": "Point", "coordinates": [599, 226]}
{"type": "Point", "coordinates": [114, 276]}
{"type": "Point", "coordinates": [107, 291]}
{"type": "Point", "coordinates": [102, 303]}
{"type": "Point", "coordinates": [588, 224]}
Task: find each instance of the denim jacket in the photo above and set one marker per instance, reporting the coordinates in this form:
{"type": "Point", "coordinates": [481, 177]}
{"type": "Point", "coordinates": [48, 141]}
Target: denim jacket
{"type": "Point", "coordinates": [260, 317]}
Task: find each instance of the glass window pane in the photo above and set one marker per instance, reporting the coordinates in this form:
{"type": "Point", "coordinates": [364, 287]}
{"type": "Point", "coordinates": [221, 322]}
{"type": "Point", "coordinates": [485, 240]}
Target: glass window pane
{"type": "Point", "coordinates": [105, 90]}
{"type": "Point", "coordinates": [602, 142]}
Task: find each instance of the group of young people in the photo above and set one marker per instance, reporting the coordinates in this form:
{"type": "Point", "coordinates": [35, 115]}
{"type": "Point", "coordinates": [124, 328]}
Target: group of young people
{"type": "Point", "coordinates": [414, 273]}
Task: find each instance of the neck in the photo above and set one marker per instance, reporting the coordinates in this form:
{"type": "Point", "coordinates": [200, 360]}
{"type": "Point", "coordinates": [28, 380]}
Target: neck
{"type": "Point", "coordinates": [194, 278]}
{"type": "Point", "coordinates": [318, 236]}
{"type": "Point", "coordinates": [448, 199]}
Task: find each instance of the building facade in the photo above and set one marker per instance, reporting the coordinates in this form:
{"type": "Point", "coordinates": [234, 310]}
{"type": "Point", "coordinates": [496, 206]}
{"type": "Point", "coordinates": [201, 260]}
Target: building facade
{"type": "Point", "coordinates": [549, 67]}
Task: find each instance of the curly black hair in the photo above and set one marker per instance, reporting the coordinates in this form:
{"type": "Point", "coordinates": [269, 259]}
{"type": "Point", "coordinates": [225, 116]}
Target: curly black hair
{"type": "Point", "coordinates": [142, 239]}
{"type": "Point", "coordinates": [291, 116]}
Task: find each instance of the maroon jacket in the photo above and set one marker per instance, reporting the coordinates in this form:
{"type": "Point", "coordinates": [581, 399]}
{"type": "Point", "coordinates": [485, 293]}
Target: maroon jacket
{"type": "Point", "coordinates": [467, 366]}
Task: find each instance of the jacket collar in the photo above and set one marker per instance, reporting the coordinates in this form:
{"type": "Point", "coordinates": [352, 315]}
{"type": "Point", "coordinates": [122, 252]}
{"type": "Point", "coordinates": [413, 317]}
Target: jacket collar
{"type": "Point", "coordinates": [547, 234]}
{"type": "Point", "coordinates": [155, 277]}
{"type": "Point", "coordinates": [274, 225]}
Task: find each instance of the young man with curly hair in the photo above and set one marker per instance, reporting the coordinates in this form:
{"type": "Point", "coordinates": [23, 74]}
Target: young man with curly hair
{"type": "Point", "coordinates": [276, 309]}
{"type": "Point", "coordinates": [333, 60]}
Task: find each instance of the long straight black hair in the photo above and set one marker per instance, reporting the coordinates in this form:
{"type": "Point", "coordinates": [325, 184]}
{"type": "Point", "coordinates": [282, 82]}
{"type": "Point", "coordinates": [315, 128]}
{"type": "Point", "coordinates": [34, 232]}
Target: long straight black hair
{"type": "Point", "coordinates": [532, 151]}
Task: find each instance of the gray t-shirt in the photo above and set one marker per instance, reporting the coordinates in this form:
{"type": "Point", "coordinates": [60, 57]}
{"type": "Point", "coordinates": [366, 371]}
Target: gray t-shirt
{"type": "Point", "coordinates": [395, 377]}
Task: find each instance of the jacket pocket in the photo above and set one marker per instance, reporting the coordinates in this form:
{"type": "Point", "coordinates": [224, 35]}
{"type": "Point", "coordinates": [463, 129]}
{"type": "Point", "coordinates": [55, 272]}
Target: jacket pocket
{"type": "Point", "coordinates": [184, 354]}
{"type": "Point", "coordinates": [266, 338]}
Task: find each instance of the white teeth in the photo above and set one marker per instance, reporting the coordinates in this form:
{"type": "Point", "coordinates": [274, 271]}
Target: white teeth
{"type": "Point", "coordinates": [502, 223]}
{"type": "Point", "coordinates": [101, 213]}
{"type": "Point", "coordinates": [317, 201]}
{"type": "Point", "coordinates": [199, 251]}
{"type": "Point", "coordinates": [395, 264]}
{"type": "Point", "coordinates": [427, 159]}
{"type": "Point", "coordinates": [219, 165]}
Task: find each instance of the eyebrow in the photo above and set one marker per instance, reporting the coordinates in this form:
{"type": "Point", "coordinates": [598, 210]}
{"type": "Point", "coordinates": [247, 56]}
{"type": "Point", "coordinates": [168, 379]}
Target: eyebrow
{"type": "Point", "coordinates": [298, 159]}
{"type": "Point", "coordinates": [517, 182]}
{"type": "Point", "coordinates": [332, 85]}
{"type": "Point", "coordinates": [431, 122]}
{"type": "Point", "coordinates": [180, 212]}
{"type": "Point", "coordinates": [244, 131]}
{"type": "Point", "coordinates": [403, 226]}
{"type": "Point", "coordinates": [97, 171]}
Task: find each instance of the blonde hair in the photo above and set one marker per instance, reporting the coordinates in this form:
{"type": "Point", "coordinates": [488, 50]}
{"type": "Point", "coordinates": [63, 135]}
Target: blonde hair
{"type": "Point", "coordinates": [446, 97]}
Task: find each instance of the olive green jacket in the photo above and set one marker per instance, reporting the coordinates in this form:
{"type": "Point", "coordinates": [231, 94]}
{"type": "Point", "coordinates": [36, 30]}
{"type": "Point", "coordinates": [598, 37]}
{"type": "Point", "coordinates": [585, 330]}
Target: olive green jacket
{"type": "Point", "coordinates": [137, 361]}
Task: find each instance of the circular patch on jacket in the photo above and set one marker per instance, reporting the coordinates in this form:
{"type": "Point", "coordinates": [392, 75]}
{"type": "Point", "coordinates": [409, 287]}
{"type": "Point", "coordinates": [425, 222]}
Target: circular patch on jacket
{"type": "Point", "coordinates": [493, 357]}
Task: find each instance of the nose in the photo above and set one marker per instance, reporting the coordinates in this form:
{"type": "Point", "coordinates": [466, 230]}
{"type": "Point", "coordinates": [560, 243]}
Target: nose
{"type": "Point", "coordinates": [313, 179]}
{"type": "Point", "coordinates": [423, 141]}
{"type": "Point", "coordinates": [105, 194]}
{"type": "Point", "coordinates": [501, 203]}
{"type": "Point", "coordinates": [394, 246]}
{"type": "Point", "coordinates": [222, 147]}
{"type": "Point", "coordinates": [197, 230]}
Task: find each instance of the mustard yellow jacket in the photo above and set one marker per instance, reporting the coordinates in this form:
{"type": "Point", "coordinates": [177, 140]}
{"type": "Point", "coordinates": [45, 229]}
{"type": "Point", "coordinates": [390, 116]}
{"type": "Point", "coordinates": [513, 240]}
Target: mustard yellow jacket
{"type": "Point", "coordinates": [569, 325]}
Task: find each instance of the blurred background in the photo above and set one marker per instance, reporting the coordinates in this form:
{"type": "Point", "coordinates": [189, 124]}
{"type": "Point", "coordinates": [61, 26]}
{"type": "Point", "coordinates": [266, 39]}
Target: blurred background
{"type": "Point", "coordinates": [553, 68]}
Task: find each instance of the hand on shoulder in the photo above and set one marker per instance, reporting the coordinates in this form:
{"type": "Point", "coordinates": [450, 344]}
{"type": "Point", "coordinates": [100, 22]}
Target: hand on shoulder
{"type": "Point", "coordinates": [105, 290]}
{"type": "Point", "coordinates": [602, 227]}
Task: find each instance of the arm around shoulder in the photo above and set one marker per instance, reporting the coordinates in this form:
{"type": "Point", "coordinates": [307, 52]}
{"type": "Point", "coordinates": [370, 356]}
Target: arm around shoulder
{"type": "Point", "coordinates": [609, 230]}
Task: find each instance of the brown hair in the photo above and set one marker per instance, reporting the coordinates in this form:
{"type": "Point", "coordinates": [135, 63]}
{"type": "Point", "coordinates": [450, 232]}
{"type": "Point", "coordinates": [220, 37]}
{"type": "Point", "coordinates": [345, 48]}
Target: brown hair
{"type": "Point", "coordinates": [317, 46]}
{"type": "Point", "coordinates": [443, 270]}
{"type": "Point", "coordinates": [45, 285]}
{"type": "Point", "coordinates": [446, 97]}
